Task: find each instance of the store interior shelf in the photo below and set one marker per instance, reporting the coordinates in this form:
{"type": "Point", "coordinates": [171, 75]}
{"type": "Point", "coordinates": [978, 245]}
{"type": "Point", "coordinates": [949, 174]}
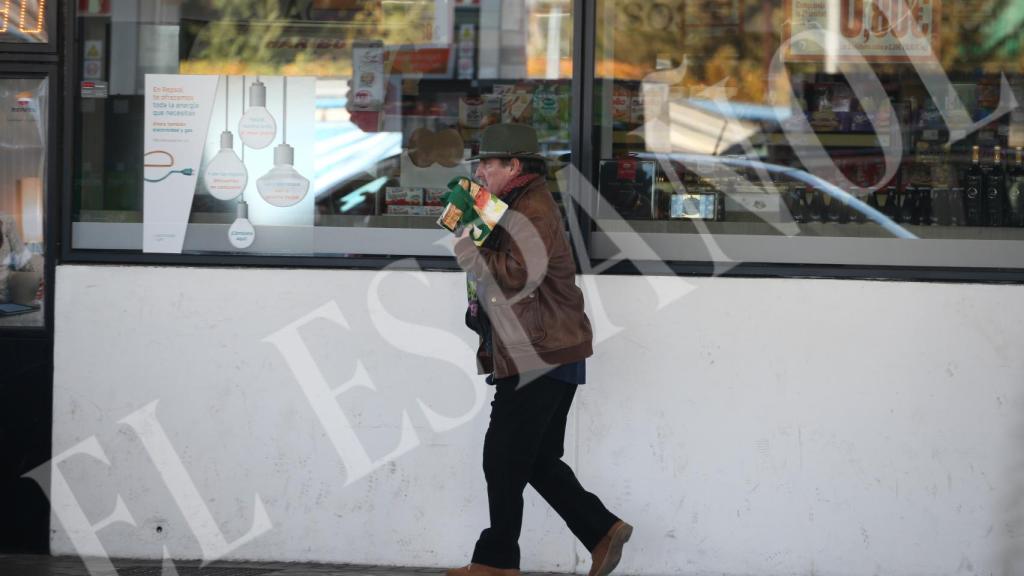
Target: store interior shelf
{"type": "Point", "coordinates": [826, 139]}
{"type": "Point", "coordinates": [830, 139]}
{"type": "Point", "coordinates": [112, 216]}
{"type": "Point", "coordinates": [377, 221]}
{"type": "Point", "coordinates": [754, 228]}
{"type": "Point", "coordinates": [339, 220]}
{"type": "Point", "coordinates": [821, 229]}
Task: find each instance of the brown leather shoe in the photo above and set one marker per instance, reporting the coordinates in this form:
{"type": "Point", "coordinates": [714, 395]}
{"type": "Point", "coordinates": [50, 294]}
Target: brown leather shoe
{"type": "Point", "coordinates": [606, 555]}
{"type": "Point", "coordinates": [481, 570]}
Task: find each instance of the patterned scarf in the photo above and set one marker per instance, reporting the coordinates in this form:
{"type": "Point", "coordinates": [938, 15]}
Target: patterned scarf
{"type": "Point", "coordinates": [516, 186]}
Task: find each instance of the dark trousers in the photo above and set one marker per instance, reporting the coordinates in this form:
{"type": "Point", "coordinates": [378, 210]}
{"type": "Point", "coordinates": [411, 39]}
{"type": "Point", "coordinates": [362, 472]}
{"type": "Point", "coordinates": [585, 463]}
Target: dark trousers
{"type": "Point", "coordinates": [524, 444]}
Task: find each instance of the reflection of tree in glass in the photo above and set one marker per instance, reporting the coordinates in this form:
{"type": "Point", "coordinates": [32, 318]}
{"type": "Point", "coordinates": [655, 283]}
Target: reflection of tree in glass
{"type": "Point", "coordinates": [727, 42]}
{"type": "Point", "coordinates": [549, 22]}
{"type": "Point", "coordinates": [732, 42]}
{"type": "Point", "coordinates": [291, 37]}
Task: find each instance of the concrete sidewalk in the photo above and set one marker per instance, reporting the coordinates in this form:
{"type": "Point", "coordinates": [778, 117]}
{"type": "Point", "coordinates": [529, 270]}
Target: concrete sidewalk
{"type": "Point", "coordinates": [29, 565]}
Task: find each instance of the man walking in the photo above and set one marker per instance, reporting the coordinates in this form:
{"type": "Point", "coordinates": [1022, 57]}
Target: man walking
{"type": "Point", "coordinates": [534, 341]}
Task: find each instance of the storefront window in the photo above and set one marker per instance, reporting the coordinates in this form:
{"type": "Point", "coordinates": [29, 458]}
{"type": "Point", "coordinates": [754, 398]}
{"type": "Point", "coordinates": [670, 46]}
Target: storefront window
{"type": "Point", "coordinates": [328, 127]}
{"type": "Point", "coordinates": [22, 190]}
{"type": "Point", "coordinates": [811, 131]}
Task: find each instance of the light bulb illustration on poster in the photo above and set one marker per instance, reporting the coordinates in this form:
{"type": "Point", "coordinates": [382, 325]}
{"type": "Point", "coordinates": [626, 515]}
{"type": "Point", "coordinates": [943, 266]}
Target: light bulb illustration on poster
{"type": "Point", "coordinates": [197, 157]}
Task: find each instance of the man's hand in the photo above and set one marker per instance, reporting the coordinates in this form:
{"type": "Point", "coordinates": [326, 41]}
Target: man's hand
{"type": "Point", "coordinates": [464, 248]}
{"type": "Point", "coordinates": [463, 236]}
{"type": "Point", "coordinates": [461, 198]}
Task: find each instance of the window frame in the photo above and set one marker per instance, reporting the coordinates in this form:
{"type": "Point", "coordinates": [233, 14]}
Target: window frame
{"type": "Point", "coordinates": [53, 189]}
{"type": "Point", "coordinates": [580, 224]}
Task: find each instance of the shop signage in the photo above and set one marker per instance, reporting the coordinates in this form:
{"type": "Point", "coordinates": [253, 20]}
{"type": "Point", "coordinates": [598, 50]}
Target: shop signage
{"type": "Point", "coordinates": [23, 20]}
{"type": "Point", "coordinates": [24, 107]}
{"type": "Point", "coordinates": [93, 7]}
{"type": "Point", "coordinates": [190, 147]}
{"type": "Point", "coordinates": [432, 61]}
{"type": "Point", "coordinates": [875, 30]}
{"type": "Point", "coordinates": [93, 50]}
{"type": "Point", "coordinates": [95, 89]}
{"type": "Point", "coordinates": [678, 16]}
{"type": "Point", "coordinates": [92, 69]}
{"type": "Point", "coordinates": [177, 117]}
{"type": "Point", "coordinates": [24, 102]}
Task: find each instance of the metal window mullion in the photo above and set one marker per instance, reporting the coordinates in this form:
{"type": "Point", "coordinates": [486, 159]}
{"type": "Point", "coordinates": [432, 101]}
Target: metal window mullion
{"type": "Point", "coordinates": [584, 29]}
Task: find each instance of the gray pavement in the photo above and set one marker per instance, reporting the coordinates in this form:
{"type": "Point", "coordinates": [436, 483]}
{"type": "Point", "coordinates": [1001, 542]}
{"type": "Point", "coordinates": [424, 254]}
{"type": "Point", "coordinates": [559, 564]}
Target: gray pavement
{"type": "Point", "coordinates": [30, 565]}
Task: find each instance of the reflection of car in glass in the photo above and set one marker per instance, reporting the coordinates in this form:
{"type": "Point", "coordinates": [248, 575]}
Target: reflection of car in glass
{"type": "Point", "coordinates": [765, 178]}
{"type": "Point", "coordinates": [352, 165]}
{"type": "Point", "coordinates": [709, 165]}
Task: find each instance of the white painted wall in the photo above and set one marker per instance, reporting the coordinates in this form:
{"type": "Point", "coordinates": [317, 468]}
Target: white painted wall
{"type": "Point", "coordinates": [745, 426]}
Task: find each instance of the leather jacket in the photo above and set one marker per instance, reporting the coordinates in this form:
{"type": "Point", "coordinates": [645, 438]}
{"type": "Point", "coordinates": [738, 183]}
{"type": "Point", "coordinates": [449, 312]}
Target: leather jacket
{"type": "Point", "coordinates": [527, 286]}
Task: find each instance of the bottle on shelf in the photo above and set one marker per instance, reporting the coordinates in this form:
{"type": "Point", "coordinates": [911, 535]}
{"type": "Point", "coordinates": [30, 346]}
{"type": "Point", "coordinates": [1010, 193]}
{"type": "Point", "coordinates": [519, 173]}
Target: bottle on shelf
{"type": "Point", "coordinates": [828, 207]}
{"type": "Point", "coordinates": [956, 204]}
{"type": "Point", "coordinates": [995, 190]}
{"type": "Point", "coordinates": [938, 206]}
{"type": "Point", "coordinates": [888, 200]}
{"type": "Point", "coordinates": [924, 204]}
{"type": "Point", "coordinates": [941, 194]}
{"type": "Point", "coordinates": [872, 199]}
{"type": "Point", "coordinates": [879, 199]}
{"type": "Point", "coordinates": [834, 208]}
{"type": "Point", "coordinates": [663, 196]}
{"type": "Point", "coordinates": [1015, 189]}
{"type": "Point", "coordinates": [843, 211]}
{"type": "Point", "coordinates": [906, 198]}
{"type": "Point", "coordinates": [817, 210]}
{"type": "Point", "coordinates": [921, 180]}
{"type": "Point", "coordinates": [973, 184]}
{"type": "Point", "coordinates": [854, 214]}
{"type": "Point", "coordinates": [722, 184]}
{"type": "Point", "coordinates": [796, 203]}
{"type": "Point", "coordinates": [719, 206]}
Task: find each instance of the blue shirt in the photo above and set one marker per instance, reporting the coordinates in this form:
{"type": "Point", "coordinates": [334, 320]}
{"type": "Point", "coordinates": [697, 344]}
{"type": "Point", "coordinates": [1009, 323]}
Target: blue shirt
{"type": "Point", "coordinates": [575, 373]}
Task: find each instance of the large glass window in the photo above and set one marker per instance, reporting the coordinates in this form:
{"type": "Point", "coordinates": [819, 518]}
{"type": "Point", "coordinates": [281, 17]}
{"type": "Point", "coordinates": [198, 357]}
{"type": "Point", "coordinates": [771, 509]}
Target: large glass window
{"type": "Point", "coordinates": [328, 127]}
{"type": "Point", "coordinates": [883, 132]}
{"type": "Point", "coordinates": [23, 140]}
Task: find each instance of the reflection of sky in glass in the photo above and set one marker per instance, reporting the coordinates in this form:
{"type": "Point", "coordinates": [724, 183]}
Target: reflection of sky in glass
{"type": "Point", "coordinates": [342, 150]}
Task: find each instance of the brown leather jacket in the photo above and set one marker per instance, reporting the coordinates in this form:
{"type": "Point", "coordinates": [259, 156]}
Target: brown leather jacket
{"type": "Point", "coordinates": [528, 288]}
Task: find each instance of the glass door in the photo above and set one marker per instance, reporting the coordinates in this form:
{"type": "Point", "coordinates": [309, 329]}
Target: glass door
{"type": "Point", "coordinates": [24, 138]}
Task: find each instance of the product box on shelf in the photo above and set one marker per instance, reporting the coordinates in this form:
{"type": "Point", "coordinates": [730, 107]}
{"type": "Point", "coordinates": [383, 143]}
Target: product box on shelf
{"type": "Point", "coordinates": [551, 112]}
{"type": "Point", "coordinates": [433, 205]}
{"type": "Point", "coordinates": [700, 195]}
{"type": "Point", "coordinates": [491, 112]}
{"type": "Point", "coordinates": [403, 201]}
{"type": "Point", "coordinates": [367, 90]}
{"type": "Point", "coordinates": [621, 105]}
{"type": "Point", "coordinates": [693, 206]}
{"type": "Point", "coordinates": [627, 185]}
{"type": "Point", "coordinates": [471, 112]}
{"type": "Point", "coordinates": [517, 107]}
{"type": "Point", "coordinates": [756, 200]}
{"type": "Point", "coordinates": [636, 110]}
{"type": "Point", "coordinates": [822, 115]}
